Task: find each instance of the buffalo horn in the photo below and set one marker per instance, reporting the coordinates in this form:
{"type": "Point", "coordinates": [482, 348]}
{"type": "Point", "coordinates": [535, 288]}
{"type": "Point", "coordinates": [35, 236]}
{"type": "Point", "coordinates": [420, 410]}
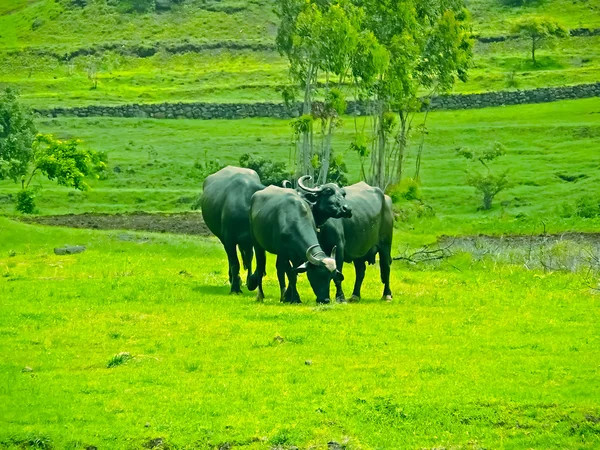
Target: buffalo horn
{"type": "Point", "coordinates": [307, 189]}
{"type": "Point", "coordinates": [309, 255]}
{"type": "Point", "coordinates": [286, 184]}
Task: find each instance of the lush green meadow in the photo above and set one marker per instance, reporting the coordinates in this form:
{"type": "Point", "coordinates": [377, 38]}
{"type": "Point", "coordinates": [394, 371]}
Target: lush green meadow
{"type": "Point", "coordinates": [157, 160]}
{"type": "Point", "coordinates": [31, 56]}
{"type": "Point", "coordinates": [470, 354]}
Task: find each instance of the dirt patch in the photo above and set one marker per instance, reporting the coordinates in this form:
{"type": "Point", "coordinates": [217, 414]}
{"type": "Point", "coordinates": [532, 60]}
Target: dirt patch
{"type": "Point", "coordinates": [179, 223]}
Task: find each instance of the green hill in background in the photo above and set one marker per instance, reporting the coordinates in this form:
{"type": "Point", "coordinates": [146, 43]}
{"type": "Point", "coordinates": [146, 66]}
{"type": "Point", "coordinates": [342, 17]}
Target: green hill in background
{"type": "Point", "coordinates": [78, 52]}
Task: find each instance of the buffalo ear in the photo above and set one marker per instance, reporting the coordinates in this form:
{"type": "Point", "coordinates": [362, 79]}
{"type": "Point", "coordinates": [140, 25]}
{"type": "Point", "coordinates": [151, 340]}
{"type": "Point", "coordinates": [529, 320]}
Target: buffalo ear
{"type": "Point", "coordinates": [309, 197]}
{"type": "Point", "coordinates": [301, 268]}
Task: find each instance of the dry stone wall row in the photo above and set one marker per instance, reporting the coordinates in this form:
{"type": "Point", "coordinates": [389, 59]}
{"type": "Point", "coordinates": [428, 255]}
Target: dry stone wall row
{"type": "Point", "coordinates": [281, 111]}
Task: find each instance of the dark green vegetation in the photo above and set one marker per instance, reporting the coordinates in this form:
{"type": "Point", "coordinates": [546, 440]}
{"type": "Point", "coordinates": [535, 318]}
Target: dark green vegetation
{"type": "Point", "coordinates": [134, 341]}
{"type": "Point", "coordinates": [218, 51]}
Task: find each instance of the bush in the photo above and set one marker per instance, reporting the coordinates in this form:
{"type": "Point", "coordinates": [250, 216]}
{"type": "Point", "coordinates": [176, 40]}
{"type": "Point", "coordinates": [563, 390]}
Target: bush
{"type": "Point", "coordinates": [137, 6]}
{"type": "Point", "coordinates": [487, 182]}
{"type": "Point", "coordinates": [25, 202]}
{"type": "Point", "coordinates": [411, 210]}
{"type": "Point", "coordinates": [408, 189]}
{"type": "Point", "coordinates": [587, 207]}
{"type": "Point", "coordinates": [268, 171]}
{"type": "Point", "coordinates": [337, 170]}
{"type": "Point", "coordinates": [203, 169]}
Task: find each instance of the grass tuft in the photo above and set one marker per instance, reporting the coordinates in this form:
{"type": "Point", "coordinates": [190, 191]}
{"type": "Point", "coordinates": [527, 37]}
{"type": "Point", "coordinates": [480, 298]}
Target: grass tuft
{"type": "Point", "coordinates": [118, 359]}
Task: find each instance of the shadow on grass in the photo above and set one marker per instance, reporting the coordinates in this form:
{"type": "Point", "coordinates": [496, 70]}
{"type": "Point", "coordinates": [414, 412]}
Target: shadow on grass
{"type": "Point", "coordinates": [221, 291]}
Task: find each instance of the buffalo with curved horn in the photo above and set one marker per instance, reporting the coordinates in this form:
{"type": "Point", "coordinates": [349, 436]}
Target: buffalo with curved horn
{"type": "Point", "coordinates": [361, 237]}
{"type": "Point", "coordinates": [282, 222]}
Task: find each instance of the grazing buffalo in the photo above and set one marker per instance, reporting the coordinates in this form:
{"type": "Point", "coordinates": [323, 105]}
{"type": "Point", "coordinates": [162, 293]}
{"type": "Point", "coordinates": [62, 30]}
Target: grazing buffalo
{"type": "Point", "coordinates": [225, 208]}
{"type": "Point", "coordinates": [282, 223]}
{"type": "Point", "coordinates": [359, 238]}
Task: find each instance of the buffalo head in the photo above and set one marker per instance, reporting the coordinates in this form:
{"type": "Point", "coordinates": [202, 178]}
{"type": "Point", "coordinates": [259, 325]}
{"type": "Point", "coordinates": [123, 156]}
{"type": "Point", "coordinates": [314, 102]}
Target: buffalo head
{"type": "Point", "coordinates": [327, 200]}
{"type": "Point", "coordinates": [320, 270]}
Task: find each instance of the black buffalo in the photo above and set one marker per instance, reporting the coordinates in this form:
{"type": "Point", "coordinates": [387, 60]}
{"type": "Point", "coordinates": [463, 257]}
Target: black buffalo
{"type": "Point", "coordinates": [225, 207]}
{"type": "Point", "coordinates": [282, 223]}
{"type": "Point", "coordinates": [361, 237]}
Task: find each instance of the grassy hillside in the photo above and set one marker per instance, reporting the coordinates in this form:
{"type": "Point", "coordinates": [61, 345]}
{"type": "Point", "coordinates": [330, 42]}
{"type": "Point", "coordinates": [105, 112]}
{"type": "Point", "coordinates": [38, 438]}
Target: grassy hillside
{"type": "Point", "coordinates": [41, 31]}
{"type": "Point", "coordinates": [156, 160]}
{"type": "Point", "coordinates": [469, 355]}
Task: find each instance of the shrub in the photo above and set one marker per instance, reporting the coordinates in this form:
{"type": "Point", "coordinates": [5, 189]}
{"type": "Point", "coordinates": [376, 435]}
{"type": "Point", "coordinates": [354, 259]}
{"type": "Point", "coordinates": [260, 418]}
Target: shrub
{"type": "Point", "coordinates": [486, 182]}
{"type": "Point", "coordinates": [408, 189]}
{"type": "Point", "coordinates": [412, 210]}
{"type": "Point", "coordinates": [202, 169]}
{"type": "Point", "coordinates": [586, 206]}
{"type": "Point", "coordinates": [337, 170]}
{"type": "Point", "coordinates": [25, 201]}
{"type": "Point", "coordinates": [269, 172]}
{"type": "Point", "coordinates": [137, 6]}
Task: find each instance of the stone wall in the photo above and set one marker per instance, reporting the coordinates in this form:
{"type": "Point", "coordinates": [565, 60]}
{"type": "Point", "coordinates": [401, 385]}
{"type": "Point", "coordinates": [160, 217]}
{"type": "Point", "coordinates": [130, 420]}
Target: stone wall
{"type": "Point", "coordinates": [281, 111]}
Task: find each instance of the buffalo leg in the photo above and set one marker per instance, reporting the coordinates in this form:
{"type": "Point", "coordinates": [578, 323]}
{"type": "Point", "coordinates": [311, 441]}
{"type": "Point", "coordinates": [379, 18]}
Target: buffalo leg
{"type": "Point", "coordinates": [234, 268]}
{"type": "Point", "coordinates": [283, 267]}
{"type": "Point", "coordinates": [291, 294]}
{"type": "Point", "coordinates": [247, 254]}
{"type": "Point", "coordinates": [385, 259]}
{"type": "Point", "coordinates": [360, 266]}
{"type": "Point", "coordinates": [255, 280]}
{"type": "Point", "coordinates": [338, 278]}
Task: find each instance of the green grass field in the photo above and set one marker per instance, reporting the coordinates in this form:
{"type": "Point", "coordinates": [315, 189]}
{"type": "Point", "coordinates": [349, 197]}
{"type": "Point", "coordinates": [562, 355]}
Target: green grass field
{"type": "Point", "coordinates": [156, 160]}
{"type": "Point", "coordinates": [135, 343]}
{"type": "Point", "coordinates": [238, 75]}
{"type": "Point", "coordinates": [469, 354]}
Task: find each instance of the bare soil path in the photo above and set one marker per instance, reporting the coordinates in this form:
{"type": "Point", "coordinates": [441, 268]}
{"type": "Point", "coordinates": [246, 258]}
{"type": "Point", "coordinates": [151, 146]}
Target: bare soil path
{"type": "Point", "coordinates": [180, 223]}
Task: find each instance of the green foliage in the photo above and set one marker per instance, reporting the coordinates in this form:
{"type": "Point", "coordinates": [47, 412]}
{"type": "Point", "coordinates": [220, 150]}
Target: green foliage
{"type": "Point", "coordinates": [537, 28]}
{"type": "Point", "coordinates": [137, 6]}
{"type": "Point", "coordinates": [338, 170]}
{"type": "Point", "coordinates": [25, 201]}
{"type": "Point", "coordinates": [17, 131]}
{"type": "Point", "coordinates": [202, 169]}
{"type": "Point", "coordinates": [585, 206]}
{"type": "Point", "coordinates": [486, 182]}
{"type": "Point", "coordinates": [270, 172]}
{"type": "Point", "coordinates": [407, 190]}
{"type": "Point", "coordinates": [518, 3]}
{"type": "Point", "coordinates": [65, 162]}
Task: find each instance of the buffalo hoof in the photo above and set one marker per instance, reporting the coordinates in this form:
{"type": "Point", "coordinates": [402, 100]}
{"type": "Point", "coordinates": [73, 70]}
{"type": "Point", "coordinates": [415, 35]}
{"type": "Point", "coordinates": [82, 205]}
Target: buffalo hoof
{"type": "Point", "coordinates": [252, 282]}
{"type": "Point", "coordinates": [238, 292]}
{"type": "Point", "coordinates": [387, 298]}
{"type": "Point", "coordinates": [325, 301]}
{"type": "Point", "coordinates": [260, 296]}
{"type": "Point", "coordinates": [354, 299]}
{"type": "Point", "coordinates": [341, 299]}
{"type": "Point", "coordinates": [282, 298]}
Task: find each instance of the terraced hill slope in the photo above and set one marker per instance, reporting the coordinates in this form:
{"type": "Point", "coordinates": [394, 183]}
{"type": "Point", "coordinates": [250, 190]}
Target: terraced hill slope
{"type": "Point", "coordinates": [61, 54]}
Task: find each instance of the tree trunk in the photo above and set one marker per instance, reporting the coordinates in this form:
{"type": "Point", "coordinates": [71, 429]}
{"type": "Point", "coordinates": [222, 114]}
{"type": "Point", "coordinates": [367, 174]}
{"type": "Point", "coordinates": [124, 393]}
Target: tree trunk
{"type": "Point", "coordinates": [402, 140]}
{"type": "Point", "coordinates": [326, 154]}
{"type": "Point", "coordinates": [306, 153]}
{"type": "Point", "coordinates": [381, 153]}
{"type": "Point", "coordinates": [421, 144]}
